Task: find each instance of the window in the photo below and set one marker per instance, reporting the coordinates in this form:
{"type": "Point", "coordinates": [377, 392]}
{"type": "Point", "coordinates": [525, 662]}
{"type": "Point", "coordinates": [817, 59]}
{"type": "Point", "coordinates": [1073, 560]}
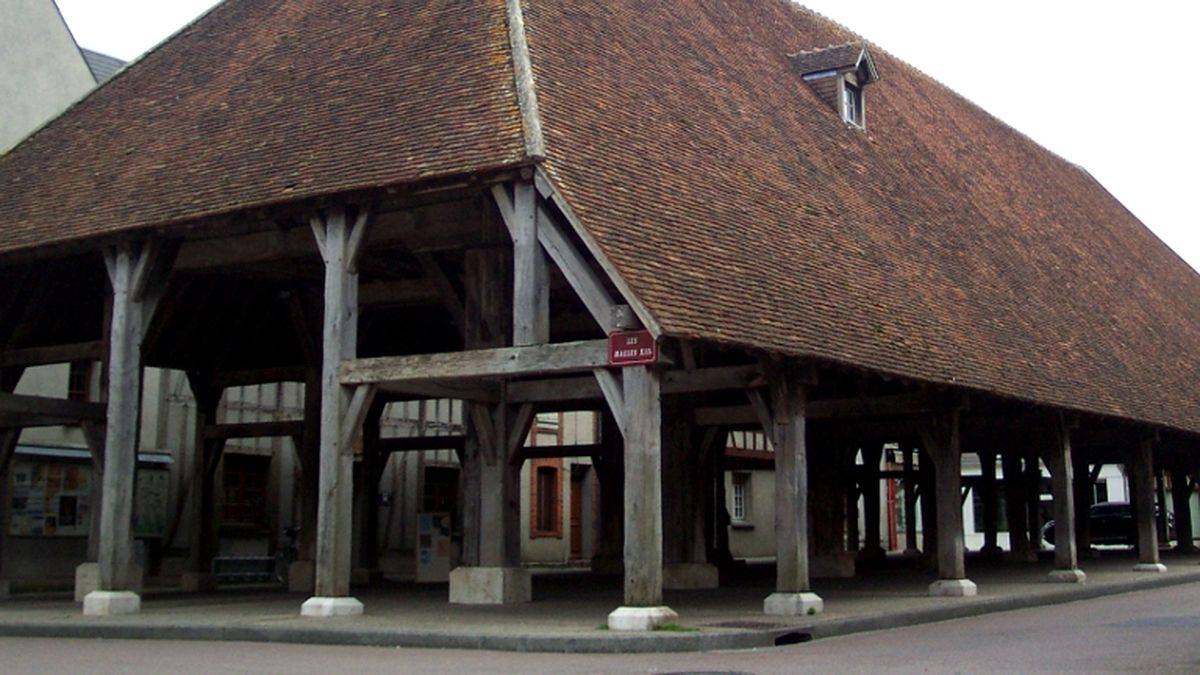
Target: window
{"type": "Point", "coordinates": [79, 381]}
{"type": "Point", "coordinates": [546, 499]}
{"type": "Point", "coordinates": [740, 509]}
{"type": "Point", "coordinates": [852, 104]}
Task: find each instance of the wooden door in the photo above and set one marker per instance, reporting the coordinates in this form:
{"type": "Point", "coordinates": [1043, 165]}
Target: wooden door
{"type": "Point", "coordinates": [576, 515]}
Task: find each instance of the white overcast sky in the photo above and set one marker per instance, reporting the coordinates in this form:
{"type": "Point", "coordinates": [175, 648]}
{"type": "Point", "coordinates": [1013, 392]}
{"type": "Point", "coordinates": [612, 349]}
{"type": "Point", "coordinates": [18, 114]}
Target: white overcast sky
{"type": "Point", "coordinates": [1101, 83]}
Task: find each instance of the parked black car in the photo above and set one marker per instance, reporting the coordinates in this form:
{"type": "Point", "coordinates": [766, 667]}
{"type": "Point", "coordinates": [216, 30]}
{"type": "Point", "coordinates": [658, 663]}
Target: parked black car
{"type": "Point", "coordinates": [1111, 523]}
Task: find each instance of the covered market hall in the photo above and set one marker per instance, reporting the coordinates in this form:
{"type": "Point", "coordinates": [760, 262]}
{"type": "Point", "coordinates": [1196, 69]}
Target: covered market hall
{"type": "Point", "coordinates": [691, 218]}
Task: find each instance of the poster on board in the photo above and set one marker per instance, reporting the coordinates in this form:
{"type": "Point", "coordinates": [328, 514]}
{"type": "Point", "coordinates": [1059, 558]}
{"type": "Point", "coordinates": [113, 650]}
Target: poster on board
{"type": "Point", "coordinates": [433, 548]}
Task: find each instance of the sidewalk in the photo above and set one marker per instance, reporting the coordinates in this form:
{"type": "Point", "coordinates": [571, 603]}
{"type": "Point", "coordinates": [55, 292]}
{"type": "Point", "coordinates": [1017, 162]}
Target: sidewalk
{"type": "Point", "coordinates": [570, 608]}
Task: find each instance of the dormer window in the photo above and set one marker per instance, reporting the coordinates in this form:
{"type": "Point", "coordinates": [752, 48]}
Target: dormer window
{"type": "Point", "coordinates": [852, 104]}
{"type": "Point", "coordinates": [839, 75]}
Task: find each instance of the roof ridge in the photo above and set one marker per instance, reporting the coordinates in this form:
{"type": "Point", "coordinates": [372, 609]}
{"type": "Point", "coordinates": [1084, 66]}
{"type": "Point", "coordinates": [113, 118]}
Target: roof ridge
{"type": "Point", "coordinates": [535, 144]}
{"type": "Point", "coordinates": [826, 48]}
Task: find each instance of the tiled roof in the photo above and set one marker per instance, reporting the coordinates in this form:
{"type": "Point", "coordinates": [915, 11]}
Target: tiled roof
{"type": "Point", "coordinates": [940, 244]}
{"type": "Point", "coordinates": [828, 58]}
{"type": "Point", "coordinates": [262, 102]}
{"type": "Point", "coordinates": [103, 66]}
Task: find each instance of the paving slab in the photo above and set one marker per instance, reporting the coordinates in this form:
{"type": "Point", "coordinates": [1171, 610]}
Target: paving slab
{"type": "Point", "coordinates": [569, 610]}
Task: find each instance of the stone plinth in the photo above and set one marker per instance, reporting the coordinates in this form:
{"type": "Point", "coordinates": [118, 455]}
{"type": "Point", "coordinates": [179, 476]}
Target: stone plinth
{"type": "Point", "coordinates": [490, 586]}
{"type": "Point", "coordinates": [793, 604]}
{"type": "Point", "coordinates": [634, 619]}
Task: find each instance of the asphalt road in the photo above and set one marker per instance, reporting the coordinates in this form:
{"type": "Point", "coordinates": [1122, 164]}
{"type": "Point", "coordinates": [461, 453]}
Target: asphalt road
{"type": "Point", "coordinates": [1156, 631]}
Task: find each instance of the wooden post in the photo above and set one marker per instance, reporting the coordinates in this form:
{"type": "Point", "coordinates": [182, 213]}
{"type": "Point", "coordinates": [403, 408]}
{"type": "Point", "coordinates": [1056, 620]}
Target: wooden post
{"type": "Point", "coordinates": [1033, 499]}
{"type": "Point", "coordinates": [491, 573]}
{"type": "Point", "coordinates": [1142, 461]}
{"type": "Point", "coordinates": [373, 464]}
{"type": "Point", "coordinates": [941, 436]}
{"type": "Point", "coordinates": [872, 549]}
{"type": "Point", "coordinates": [8, 446]}
{"type": "Point", "coordinates": [929, 512]}
{"type": "Point", "coordinates": [138, 276]}
{"type": "Point", "coordinates": [1084, 495]}
{"type": "Point", "coordinates": [910, 501]}
{"type": "Point", "coordinates": [987, 461]}
{"type": "Point", "coordinates": [642, 400]}
{"type": "Point", "coordinates": [201, 528]}
{"type": "Point", "coordinates": [610, 471]}
{"type": "Point", "coordinates": [785, 423]}
{"type": "Point", "coordinates": [340, 243]}
{"type": "Point", "coordinates": [1014, 493]}
{"type": "Point", "coordinates": [531, 277]}
{"type": "Point", "coordinates": [1181, 498]}
{"type": "Point", "coordinates": [685, 460]}
{"type": "Point", "coordinates": [1058, 460]}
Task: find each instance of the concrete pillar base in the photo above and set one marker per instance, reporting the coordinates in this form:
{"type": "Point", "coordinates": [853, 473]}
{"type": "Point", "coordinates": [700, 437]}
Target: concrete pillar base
{"type": "Point", "coordinates": [690, 577]}
{"type": "Point", "coordinates": [87, 579]}
{"type": "Point", "coordinates": [640, 618]}
{"type": "Point", "coordinates": [953, 588]}
{"type": "Point", "coordinates": [302, 576]}
{"type": "Point", "coordinates": [490, 586]}
{"type": "Point", "coordinates": [793, 604]}
{"type": "Point", "coordinates": [1075, 576]}
{"type": "Point", "coordinates": [1150, 567]}
{"type": "Point", "coordinates": [110, 603]}
{"type": "Point", "coordinates": [318, 607]}
{"type": "Point", "coordinates": [197, 582]}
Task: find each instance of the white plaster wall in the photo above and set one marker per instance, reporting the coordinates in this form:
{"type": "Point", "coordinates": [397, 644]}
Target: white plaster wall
{"type": "Point", "coordinates": [755, 537]}
{"type": "Point", "coordinates": [41, 69]}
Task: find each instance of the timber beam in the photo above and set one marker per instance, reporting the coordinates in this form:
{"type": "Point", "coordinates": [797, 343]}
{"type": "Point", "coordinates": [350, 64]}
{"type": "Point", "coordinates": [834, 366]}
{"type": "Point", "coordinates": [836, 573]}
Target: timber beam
{"type": "Point", "coordinates": [225, 432]}
{"type": "Point", "coordinates": [37, 411]}
{"type": "Point", "coordinates": [899, 405]}
{"type": "Point", "coordinates": [40, 356]}
{"type": "Point", "coordinates": [545, 359]}
{"type": "Point", "coordinates": [421, 443]}
{"type": "Point", "coordinates": [555, 452]}
{"type": "Point", "coordinates": [674, 382]}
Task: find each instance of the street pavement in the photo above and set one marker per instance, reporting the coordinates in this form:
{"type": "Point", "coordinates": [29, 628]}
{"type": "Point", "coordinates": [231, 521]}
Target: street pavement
{"type": "Point", "coordinates": [1154, 631]}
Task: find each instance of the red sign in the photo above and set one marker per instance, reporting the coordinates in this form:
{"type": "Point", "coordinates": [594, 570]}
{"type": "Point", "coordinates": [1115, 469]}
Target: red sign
{"type": "Point", "coordinates": [633, 348]}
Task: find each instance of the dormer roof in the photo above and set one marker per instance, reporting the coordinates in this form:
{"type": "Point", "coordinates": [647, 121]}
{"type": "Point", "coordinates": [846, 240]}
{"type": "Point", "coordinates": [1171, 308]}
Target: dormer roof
{"type": "Point", "coordinates": [838, 58]}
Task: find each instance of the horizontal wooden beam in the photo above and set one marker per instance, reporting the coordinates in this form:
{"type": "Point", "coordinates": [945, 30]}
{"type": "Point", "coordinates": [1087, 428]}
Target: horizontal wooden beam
{"type": "Point", "coordinates": [231, 431]}
{"type": "Point", "coordinates": [674, 382]}
{"type": "Point", "coordinates": [407, 293]}
{"type": "Point", "coordinates": [17, 410]}
{"type": "Point", "coordinates": [441, 226]}
{"type": "Point", "coordinates": [40, 356]}
{"type": "Point", "coordinates": [545, 359]}
{"type": "Point", "coordinates": [246, 378]}
{"type": "Point", "coordinates": [898, 405]}
{"type": "Point", "coordinates": [419, 443]}
{"type": "Point", "coordinates": [556, 452]}
{"type": "Point", "coordinates": [481, 392]}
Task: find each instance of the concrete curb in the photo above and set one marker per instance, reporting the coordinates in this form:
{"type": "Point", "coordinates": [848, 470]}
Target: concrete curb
{"type": "Point", "coordinates": [978, 607]}
{"type": "Point", "coordinates": [599, 643]}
